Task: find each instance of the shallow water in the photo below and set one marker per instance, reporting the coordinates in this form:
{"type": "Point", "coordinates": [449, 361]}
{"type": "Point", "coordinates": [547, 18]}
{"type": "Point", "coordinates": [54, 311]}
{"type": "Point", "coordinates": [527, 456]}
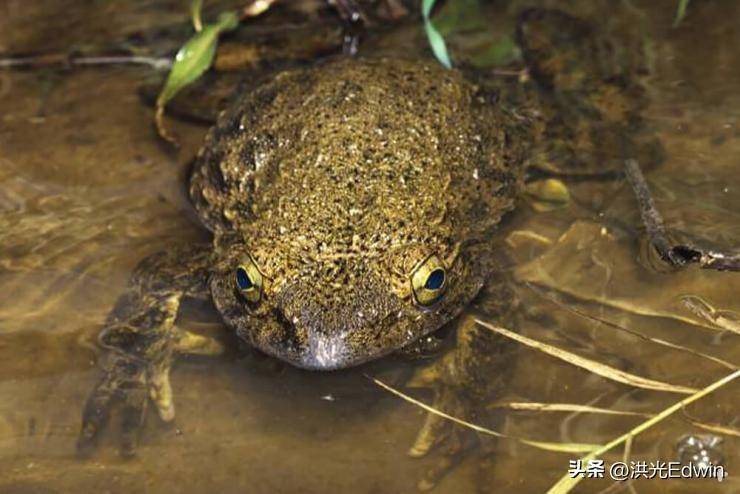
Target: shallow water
{"type": "Point", "coordinates": [87, 190]}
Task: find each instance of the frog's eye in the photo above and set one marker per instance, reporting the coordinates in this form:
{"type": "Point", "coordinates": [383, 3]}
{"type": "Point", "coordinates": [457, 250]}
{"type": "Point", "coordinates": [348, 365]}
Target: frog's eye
{"type": "Point", "coordinates": [429, 281]}
{"type": "Point", "coordinates": [248, 280]}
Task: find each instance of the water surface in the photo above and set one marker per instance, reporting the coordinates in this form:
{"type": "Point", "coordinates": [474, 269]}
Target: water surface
{"type": "Point", "coordinates": [87, 190]}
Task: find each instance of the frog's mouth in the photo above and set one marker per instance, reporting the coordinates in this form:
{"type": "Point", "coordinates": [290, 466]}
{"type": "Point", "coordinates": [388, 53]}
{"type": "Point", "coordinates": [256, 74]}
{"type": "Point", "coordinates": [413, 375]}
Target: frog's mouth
{"type": "Point", "coordinates": [324, 345]}
{"type": "Point", "coordinates": [322, 352]}
{"type": "Point", "coordinates": [314, 330]}
{"type": "Point", "coordinates": [318, 346]}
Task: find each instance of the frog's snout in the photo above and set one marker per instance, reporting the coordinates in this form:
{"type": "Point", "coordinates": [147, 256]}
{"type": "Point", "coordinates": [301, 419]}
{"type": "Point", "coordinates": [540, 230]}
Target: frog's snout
{"type": "Point", "coordinates": [317, 339]}
{"type": "Point", "coordinates": [326, 352]}
{"type": "Point", "coordinates": [334, 330]}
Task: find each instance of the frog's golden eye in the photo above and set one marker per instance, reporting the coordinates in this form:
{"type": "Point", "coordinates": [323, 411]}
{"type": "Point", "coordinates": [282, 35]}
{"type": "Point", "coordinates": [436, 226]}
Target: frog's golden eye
{"type": "Point", "coordinates": [429, 281]}
{"type": "Point", "coordinates": [248, 280]}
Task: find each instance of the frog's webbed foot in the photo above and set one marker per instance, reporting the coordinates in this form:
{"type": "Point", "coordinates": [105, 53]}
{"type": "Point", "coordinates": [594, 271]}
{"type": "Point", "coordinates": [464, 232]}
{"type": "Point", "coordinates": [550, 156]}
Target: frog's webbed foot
{"type": "Point", "coordinates": [141, 338]}
{"type": "Point", "coordinates": [463, 381]}
{"type": "Point", "coordinates": [454, 442]}
{"type": "Point", "coordinates": [124, 383]}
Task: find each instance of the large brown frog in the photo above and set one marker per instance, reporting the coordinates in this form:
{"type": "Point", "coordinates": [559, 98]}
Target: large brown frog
{"type": "Point", "coordinates": [352, 206]}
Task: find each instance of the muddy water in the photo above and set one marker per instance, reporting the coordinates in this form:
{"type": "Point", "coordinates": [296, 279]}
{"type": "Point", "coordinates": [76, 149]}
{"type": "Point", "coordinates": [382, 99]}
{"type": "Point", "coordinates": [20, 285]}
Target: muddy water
{"type": "Point", "coordinates": [87, 190]}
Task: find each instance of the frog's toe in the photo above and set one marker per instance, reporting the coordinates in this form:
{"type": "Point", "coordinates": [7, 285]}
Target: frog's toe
{"type": "Point", "coordinates": [455, 442]}
{"type": "Point", "coordinates": [160, 391]}
{"type": "Point", "coordinates": [433, 432]}
{"type": "Point", "coordinates": [456, 449]}
{"type": "Point", "coordinates": [133, 411]}
{"type": "Point", "coordinates": [191, 343]}
{"type": "Point", "coordinates": [95, 416]}
{"type": "Point", "coordinates": [125, 385]}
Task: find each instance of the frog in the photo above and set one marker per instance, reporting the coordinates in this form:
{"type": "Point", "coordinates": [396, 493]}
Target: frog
{"type": "Point", "coordinates": [351, 206]}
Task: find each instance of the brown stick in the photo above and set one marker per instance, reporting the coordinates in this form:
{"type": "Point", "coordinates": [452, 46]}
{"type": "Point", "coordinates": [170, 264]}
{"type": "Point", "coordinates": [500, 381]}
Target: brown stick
{"type": "Point", "coordinates": [677, 255]}
{"type": "Point", "coordinates": [70, 60]}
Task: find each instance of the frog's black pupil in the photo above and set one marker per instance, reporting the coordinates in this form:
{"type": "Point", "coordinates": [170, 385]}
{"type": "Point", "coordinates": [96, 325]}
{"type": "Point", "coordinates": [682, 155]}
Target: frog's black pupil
{"type": "Point", "coordinates": [243, 280]}
{"type": "Point", "coordinates": [435, 280]}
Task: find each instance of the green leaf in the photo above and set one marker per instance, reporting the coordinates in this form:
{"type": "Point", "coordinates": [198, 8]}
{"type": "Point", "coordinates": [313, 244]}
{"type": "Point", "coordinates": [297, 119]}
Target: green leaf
{"type": "Point", "coordinates": [195, 57]}
{"type": "Point", "coordinates": [191, 61]}
{"type": "Point", "coordinates": [436, 41]}
{"type": "Point", "coordinates": [680, 12]}
{"type": "Point", "coordinates": [466, 22]}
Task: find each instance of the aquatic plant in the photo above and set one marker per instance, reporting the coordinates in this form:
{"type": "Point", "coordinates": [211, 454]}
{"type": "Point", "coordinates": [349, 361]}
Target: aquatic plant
{"type": "Point", "coordinates": [191, 61]}
{"type": "Point", "coordinates": [436, 41]}
{"type": "Point", "coordinates": [680, 12]}
{"type": "Point", "coordinates": [197, 54]}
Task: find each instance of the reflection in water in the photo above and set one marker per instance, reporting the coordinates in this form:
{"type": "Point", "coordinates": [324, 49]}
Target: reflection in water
{"type": "Point", "coordinates": [87, 191]}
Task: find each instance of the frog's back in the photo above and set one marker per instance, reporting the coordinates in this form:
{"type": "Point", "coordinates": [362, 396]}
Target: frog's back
{"type": "Point", "coordinates": [347, 185]}
{"type": "Point", "coordinates": [342, 136]}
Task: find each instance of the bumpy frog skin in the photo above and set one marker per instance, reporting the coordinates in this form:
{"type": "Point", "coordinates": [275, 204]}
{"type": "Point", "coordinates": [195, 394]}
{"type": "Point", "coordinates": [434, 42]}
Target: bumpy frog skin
{"type": "Point", "coordinates": [353, 206]}
{"type": "Point", "coordinates": [339, 182]}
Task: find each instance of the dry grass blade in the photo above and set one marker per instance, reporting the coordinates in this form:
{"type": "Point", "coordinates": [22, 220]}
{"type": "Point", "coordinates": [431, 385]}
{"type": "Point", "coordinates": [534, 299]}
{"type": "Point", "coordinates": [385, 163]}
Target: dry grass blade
{"type": "Point", "coordinates": [726, 320]}
{"type": "Point", "coordinates": [716, 428]}
{"type": "Point", "coordinates": [257, 7]}
{"type": "Point", "coordinates": [562, 407]}
{"type": "Point", "coordinates": [196, 7]}
{"type": "Point", "coordinates": [566, 483]}
{"type": "Point", "coordinates": [658, 341]}
{"type": "Point", "coordinates": [590, 365]}
{"type": "Point", "coordinates": [621, 486]}
{"type": "Point", "coordinates": [558, 447]}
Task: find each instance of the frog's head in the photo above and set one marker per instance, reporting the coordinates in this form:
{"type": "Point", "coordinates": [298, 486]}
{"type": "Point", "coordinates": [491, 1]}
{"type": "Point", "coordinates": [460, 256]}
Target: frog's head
{"type": "Point", "coordinates": [357, 219]}
{"type": "Point", "coordinates": [336, 308]}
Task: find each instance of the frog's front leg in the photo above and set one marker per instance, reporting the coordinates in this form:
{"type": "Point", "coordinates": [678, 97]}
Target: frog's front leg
{"type": "Point", "coordinates": [140, 338]}
{"type": "Point", "coordinates": [464, 381]}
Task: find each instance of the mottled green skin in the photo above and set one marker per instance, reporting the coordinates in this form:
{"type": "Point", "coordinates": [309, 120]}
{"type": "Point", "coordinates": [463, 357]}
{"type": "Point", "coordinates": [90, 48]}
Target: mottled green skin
{"type": "Point", "coordinates": [338, 180]}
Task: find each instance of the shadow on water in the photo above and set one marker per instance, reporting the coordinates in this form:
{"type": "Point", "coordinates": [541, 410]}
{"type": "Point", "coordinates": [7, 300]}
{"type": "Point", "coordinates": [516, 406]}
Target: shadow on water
{"type": "Point", "coordinates": [87, 190]}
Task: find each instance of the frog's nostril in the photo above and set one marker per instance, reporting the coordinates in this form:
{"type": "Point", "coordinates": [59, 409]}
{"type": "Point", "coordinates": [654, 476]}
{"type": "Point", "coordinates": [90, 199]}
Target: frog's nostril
{"type": "Point", "coordinates": [290, 333]}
